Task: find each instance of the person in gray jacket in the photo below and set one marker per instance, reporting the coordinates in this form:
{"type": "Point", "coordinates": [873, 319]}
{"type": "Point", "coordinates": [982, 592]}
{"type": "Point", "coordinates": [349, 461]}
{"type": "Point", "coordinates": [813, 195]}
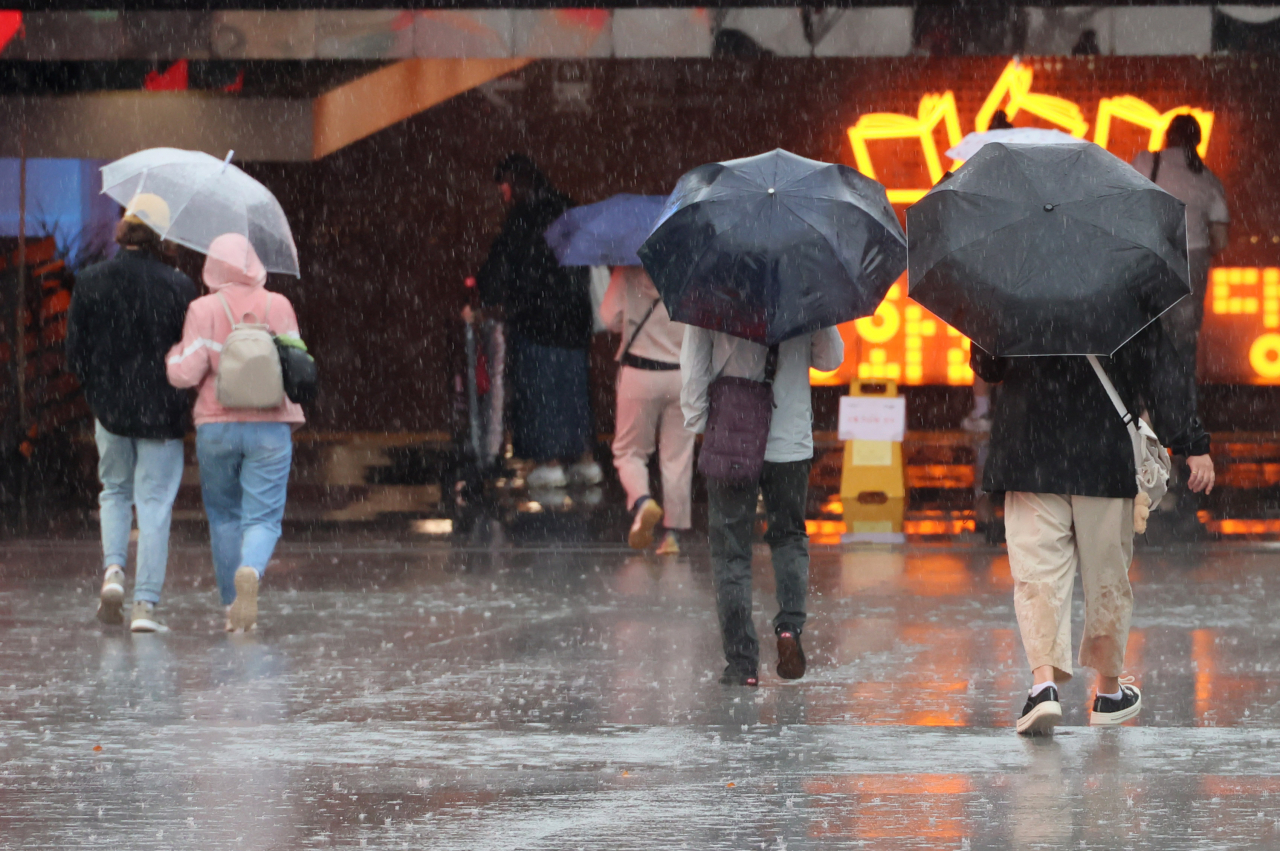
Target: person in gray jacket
{"type": "Point", "coordinates": [784, 483]}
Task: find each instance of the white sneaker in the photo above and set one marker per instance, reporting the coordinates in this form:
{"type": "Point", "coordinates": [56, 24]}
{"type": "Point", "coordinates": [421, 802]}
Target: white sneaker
{"type": "Point", "coordinates": [111, 598]}
{"type": "Point", "coordinates": [586, 473]}
{"type": "Point", "coordinates": [546, 476]}
{"type": "Point", "coordinates": [143, 618]}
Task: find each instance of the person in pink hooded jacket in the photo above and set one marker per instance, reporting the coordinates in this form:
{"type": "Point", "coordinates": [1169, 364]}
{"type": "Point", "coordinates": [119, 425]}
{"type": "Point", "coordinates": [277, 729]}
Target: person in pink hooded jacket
{"type": "Point", "coordinates": [245, 454]}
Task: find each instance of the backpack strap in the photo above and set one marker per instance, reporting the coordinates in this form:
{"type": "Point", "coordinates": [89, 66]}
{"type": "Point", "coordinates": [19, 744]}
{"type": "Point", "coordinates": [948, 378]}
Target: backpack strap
{"type": "Point", "coordinates": [227, 308]}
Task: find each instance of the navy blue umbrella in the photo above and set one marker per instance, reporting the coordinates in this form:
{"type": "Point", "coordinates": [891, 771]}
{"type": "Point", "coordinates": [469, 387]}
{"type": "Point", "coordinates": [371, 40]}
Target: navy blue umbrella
{"type": "Point", "coordinates": [774, 246]}
{"type": "Point", "coordinates": [605, 234]}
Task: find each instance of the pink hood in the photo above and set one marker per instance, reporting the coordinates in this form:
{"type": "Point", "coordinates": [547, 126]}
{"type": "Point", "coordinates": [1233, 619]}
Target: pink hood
{"type": "Point", "coordinates": [232, 260]}
{"type": "Point", "coordinates": [232, 271]}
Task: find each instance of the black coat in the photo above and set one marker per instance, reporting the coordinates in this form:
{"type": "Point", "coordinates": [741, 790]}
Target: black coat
{"type": "Point", "coordinates": [543, 302]}
{"type": "Point", "coordinates": [1054, 430]}
{"type": "Point", "coordinates": [126, 313]}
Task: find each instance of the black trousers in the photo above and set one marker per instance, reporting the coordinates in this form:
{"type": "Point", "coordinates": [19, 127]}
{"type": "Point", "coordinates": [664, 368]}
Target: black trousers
{"type": "Point", "coordinates": [732, 529]}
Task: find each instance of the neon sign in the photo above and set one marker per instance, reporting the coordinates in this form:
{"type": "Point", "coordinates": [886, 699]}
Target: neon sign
{"type": "Point", "coordinates": [1012, 93]}
{"type": "Point", "coordinates": [905, 342]}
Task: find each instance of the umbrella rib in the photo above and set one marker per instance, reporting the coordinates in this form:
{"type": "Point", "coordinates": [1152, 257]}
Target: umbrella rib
{"type": "Point", "coordinates": [852, 274]}
{"type": "Point", "coordinates": [711, 242]}
{"type": "Point", "coordinates": [981, 237]}
{"type": "Point", "coordinates": [1112, 234]}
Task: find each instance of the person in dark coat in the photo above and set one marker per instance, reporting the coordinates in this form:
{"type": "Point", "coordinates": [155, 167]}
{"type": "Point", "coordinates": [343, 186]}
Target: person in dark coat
{"type": "Point", "coordinates": [547, 310]}
{"type": "Point", "coordinates": [125, 315]}
{"type": "Point", "coordinates": [1064, 457]}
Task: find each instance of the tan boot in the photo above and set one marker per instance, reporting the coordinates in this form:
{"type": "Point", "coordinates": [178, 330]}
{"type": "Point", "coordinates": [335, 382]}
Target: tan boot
{"type": "Point", "coordinates": [641, 535]}
{"type": "Point", "coordinates": [244, 610]}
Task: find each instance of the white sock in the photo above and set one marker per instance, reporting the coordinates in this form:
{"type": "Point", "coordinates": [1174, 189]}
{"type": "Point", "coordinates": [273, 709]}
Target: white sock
{"type": "Point", "coordinates": [1115, 696]}
{"type": "Point", "coordinates": [1039, 687]}
{"type": "Point", "coordinates": [981, 405]}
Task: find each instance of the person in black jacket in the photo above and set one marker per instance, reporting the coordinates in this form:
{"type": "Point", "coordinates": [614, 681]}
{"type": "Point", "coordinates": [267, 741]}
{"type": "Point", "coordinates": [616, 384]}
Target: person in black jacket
{"type": "Point", "coordinates": [1064, 458]}
{"type": "Point", "coordinates": [547, 309]}
{"type": "Point", "coordinates": [125, 315]}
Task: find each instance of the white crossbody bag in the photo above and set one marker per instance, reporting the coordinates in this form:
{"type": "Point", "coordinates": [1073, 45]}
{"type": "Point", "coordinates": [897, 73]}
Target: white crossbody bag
{"type": "Point", "coordinates": [1150, 459]}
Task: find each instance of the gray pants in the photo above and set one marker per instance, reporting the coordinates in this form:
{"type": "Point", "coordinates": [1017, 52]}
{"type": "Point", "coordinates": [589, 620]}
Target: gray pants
{"type": "Point", "coordinates": [732, 529]}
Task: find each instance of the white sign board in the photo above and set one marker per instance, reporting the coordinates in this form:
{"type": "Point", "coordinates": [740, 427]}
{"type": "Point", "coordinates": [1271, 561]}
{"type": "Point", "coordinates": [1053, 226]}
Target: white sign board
{"type": "Point", "coordinates": [873, 418]}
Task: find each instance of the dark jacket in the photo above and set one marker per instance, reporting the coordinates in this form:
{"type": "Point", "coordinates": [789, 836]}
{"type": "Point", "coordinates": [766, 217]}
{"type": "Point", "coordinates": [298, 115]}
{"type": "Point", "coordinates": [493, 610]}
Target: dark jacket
{"type": "Point", "coordinates": [543, 302]}
{"type": "Point", "coordinates": [125, 315]}
{"type": "Point", "coordinates": [1054, 430]}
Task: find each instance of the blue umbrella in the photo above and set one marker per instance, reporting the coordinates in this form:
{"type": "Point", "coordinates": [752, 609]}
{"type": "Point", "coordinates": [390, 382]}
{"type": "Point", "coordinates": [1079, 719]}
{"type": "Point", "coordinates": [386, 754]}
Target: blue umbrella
{"type": "Point", "coordinates": [605, 234]}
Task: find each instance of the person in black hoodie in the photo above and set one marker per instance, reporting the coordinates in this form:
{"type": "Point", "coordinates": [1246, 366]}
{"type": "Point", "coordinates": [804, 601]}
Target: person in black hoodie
{"type": "Point", "coordinates": [547, 310]}
{"type": "Point", "coordinates": [1064, 458]}
{"type": "Point", "coordinates": [125, 315]}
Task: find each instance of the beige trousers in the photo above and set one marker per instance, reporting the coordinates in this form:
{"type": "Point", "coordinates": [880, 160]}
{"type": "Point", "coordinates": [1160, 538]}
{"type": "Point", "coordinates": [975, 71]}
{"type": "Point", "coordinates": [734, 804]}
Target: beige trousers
{"type": "Point", "coordinates": [1050, 535]}
{"type": "Point", "coordinates": [649, 414]}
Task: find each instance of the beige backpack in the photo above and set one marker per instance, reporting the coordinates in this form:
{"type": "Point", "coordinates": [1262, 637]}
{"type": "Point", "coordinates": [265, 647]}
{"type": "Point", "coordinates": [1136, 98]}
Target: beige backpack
{"type": "Point", "coordinates": [249, 367]}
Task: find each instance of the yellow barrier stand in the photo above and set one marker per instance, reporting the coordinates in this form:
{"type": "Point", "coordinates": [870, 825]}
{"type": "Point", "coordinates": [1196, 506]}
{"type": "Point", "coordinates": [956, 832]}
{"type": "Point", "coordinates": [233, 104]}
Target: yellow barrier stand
{"type": "Point", "coordinates": [872, 483]}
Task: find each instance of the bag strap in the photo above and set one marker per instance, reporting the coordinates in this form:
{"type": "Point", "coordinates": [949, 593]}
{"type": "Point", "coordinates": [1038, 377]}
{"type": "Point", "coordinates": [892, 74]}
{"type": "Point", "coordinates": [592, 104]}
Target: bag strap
{"type": "Point", "coordinates": [1155, 169]}
{"type": "Point", "coordinates": [771, 364]}
{"type": "Point", "coordinates": [1134, 435]}
{"type": "Point", "coordinates": [636, 333]}
{"type": "Point", "coordinates": [1111, 391]}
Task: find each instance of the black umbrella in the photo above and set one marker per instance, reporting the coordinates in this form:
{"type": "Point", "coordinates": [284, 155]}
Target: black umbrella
{"type": "Point", "coordinates": [774, 246]}
{"type": "Point", "coordinates": [1047, 250]}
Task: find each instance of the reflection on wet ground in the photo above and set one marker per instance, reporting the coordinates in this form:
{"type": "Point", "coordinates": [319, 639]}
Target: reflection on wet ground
{"type": "Point", "coordinates": [540, 698]}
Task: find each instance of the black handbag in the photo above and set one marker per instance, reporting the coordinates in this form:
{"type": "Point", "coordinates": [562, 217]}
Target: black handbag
{"type": "Point", "coordinates": [298, 369]}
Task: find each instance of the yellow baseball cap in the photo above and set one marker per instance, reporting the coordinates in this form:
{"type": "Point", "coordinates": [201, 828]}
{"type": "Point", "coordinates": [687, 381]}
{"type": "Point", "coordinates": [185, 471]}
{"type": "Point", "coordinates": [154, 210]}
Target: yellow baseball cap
{"type": "Point", "coordinates": [150, 210]}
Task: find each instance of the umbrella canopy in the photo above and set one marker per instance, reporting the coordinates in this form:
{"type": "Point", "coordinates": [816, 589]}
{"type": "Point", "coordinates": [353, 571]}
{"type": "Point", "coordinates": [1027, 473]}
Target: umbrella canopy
{"type": "Point", "coordinates": [206, 197]}
{"type": "Point", "coordinates": [1047, 250]}
{"type": "Point", "coordinates": [774, 246]}
{"type": "Point", "coordinates": [605, 234]}
{"type": "Point", "coordinates": [973, 143]}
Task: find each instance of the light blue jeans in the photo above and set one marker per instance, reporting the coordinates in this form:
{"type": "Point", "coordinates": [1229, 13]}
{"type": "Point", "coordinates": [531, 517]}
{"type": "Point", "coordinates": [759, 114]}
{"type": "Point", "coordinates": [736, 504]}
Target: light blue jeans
{"type": "Point", "coordinates": [142, 474]}
{"type": "Point", "coordinates": [244, 476]}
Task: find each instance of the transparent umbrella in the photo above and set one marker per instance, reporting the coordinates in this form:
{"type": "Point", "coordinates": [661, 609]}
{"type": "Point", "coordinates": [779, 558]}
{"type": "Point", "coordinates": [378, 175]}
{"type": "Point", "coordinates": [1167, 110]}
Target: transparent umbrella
{"type": "Point", "coordinates": [206, 197]}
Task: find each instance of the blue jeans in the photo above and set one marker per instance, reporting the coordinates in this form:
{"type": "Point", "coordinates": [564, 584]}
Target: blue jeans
{"type": "Point", "coordinates": [144, 474]}
{"type": "Point", "coordinates": [244, 477]}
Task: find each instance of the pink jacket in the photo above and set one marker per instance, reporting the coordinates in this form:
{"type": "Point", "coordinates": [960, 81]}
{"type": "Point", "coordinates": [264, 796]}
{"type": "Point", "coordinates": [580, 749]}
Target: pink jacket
{"type": "Point", "coordinates": [194, 361]}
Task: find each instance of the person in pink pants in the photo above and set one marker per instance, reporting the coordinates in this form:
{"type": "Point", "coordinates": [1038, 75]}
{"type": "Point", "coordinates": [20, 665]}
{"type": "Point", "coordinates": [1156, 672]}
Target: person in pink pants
{"type": "Point", "coordinates": [648, 413]}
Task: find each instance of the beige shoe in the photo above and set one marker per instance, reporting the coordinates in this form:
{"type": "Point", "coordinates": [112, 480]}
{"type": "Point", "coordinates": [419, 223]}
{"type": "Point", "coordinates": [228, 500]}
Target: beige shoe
{"type": "Point", "coordinates": [143, 618]}
{"type": "Point", "coordinates": [641, 536]}
{"type": "Point", "coordinates": [243, 614]}
{"type": "Point", "coordinates": [111, 598]}
{"type": "Point", "coordinates": [670, 545]}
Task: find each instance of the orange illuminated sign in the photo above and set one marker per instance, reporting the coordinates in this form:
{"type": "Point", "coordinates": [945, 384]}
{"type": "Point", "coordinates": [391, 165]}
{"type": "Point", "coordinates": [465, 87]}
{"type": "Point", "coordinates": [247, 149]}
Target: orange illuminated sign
{"type": "Point", "coordinates": [905, 342]}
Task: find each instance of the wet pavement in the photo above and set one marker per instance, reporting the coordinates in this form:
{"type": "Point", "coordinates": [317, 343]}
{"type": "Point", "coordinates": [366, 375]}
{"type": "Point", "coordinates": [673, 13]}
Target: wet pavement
{"type": "Point", "coordinates": [413, 695]}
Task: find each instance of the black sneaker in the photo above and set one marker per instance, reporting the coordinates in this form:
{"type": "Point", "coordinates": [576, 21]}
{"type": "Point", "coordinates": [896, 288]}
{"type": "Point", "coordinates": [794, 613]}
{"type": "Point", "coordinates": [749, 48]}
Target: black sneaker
{"type": "Point", "coordinates": [1041, 713]}
{"type": "Point", "coordinates": [791, 664]}
{"type": "Point", "coordinates": [733, 677]}
{"type": "Point", "coordinates": [1108, 711]}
